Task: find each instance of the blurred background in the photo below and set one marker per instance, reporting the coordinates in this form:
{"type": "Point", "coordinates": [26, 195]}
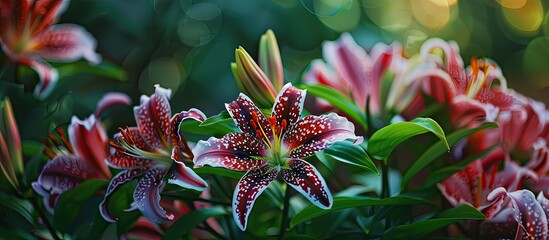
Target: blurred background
{"type": "Point", "coordinates": [188, 46]}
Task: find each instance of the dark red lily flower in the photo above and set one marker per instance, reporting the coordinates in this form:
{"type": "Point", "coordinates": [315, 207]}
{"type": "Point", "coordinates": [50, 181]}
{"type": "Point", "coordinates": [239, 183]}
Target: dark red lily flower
{"type": "Point", "coordinates": [28, 36]}
{"type": "Point", "coordinates": [269, 146]}
{"type": "Point", "coordinates": [79, 158]}
{"type": "Point", "coordinates": [148, 151]}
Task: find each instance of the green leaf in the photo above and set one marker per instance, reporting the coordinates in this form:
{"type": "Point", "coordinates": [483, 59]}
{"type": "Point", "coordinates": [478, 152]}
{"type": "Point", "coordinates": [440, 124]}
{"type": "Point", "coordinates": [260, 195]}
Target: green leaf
{"type": "Point", "coordinates": [222, 117]}
{"type": "Point", "coordinates": [438, 149]}
{"type": "Point", "coordinates": [383, 141]}
{"type": "Point", "coordinates": [219, 171]}
{"type": "Point", "coordinates": [339, 101]}
{"type": "Point", "coordinates": [347, 152]}
{"type": "Point", "coordinates": [342, 202]}
{"type": "Point", "coordinates": [71, 202]}
{"type": "Point", "coordinates": [417, 230]}
{"type": "Point", "coordinates": [22, 208]}
{"type": "Point", "coordinates": [105, 69]}
{"type": "Point", "coordinates": [190, 220]}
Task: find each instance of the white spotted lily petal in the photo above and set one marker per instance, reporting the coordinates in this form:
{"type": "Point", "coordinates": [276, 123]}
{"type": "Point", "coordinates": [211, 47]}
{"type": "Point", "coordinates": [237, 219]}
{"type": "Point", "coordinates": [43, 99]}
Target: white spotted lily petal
{"type": "Point", "coordinates": [268, 146]}
{"type": "Point", "coordinates": [149, 151]}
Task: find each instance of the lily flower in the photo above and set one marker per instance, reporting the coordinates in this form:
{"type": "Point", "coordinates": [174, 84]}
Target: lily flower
{"type": "Point", "coordinates": [78, 158]}
{"type": "Point", "coordinates": [149, 151]}
{"type": "Point", "coordinates": [28, 37]}
{"type": "Point", "coordinates": [261, 82]}
{"type": "Point", "coordinates": [11, 160]}
{"type": "Point", "coordinates": [268, 147]}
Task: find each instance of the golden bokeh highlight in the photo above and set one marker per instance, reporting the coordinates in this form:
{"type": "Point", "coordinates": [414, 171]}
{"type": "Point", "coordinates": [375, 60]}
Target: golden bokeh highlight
{"type": "Point", "coordinates": [432, 14]}
{"type": "Point", "coordinates": [527, 18]}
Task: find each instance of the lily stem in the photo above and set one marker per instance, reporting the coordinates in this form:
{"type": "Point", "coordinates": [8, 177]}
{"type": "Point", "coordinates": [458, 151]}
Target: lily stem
{"type": "Point", "coordinates": [42, 215]}
{"type": "Point", "coordinates": [285, 211]}
{"type": "Point", "coordinates": [385, 179]}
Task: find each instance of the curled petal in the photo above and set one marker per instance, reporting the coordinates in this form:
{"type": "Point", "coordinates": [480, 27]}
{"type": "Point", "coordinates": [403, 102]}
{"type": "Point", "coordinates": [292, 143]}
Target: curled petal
{"type": "Point", "coordinates": [48, 78]}
{"type": "Point", "coordinates": [61, 174]}
{"type": "Point", "coordinates": [288, 104]}
{"type": "Point", "coordinates": [111, 99]}
{"type": "Point", "coordinates": [544, 202]}
{"type": "Point", "coordinates": [122, 161]}
{"type": "Point", "coordinates": [250, 186]}
{"type": "Point", "coordinates": [316, 133]}
{"type": "Point", "coordinates": [185, 177]}
{"type": "Point", "coordinates": [242, 110]}
{"type": "Point", "coordinates": [116, 182]}
{"type": "Point", "coordinates": [67, 43]}
{"type": "Point", "coordinates": [465, 111]}
{"type": "Point", "coordinates": [235, 151]}
{"type": "Point", "coordinates": [147, 196]}
{"type": "Point", "coordinates": [153, 117]}
{"type": "Point", "coordinates": [304, 178]}
{"type": "Point", "coordinates": [529, 214]}
{"type": "Point", "coordinates": [178, 140]}
{"type": "Point", "coordinates": [89, 141]}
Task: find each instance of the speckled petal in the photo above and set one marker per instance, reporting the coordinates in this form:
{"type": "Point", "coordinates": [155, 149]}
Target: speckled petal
{"type": "Point", "coordinates": [153, 117]}
{"type": "Point", "coordinates": [177, 138]}
{"type": "Point", "coordinates": [241, 111]}
{"type": "Point", "coordinates": [235, 151]}
{"type": "Point", "coordinates": [544, 202]}
{"type": "Point", "coordinates": [122, 161]}
{"type": "Point", "coordinates": [67, 43]}
{"type": "Point", "coordinates": [185, 177]}
{"type": "Point", "coordinates": [116, 182]}
{"type": "Point", "coordinates": [529, 214]}
{"type": "Point", "coordinates": [316, 133]}
{"type": "Point", "coordinates": [248, 189]}
{"type": "Point", "coordinates": [89, 140]}
{"type": "Point", "coordinates": [288, 104]}
{"type": "Point", "coordinates": [146, 196]}
{"type": "Point", "coordinates": [110, 99]}
{"type": "Point", "coordinates": [304, 178]}
{"type": "Point", "coordinates": [48, 77]}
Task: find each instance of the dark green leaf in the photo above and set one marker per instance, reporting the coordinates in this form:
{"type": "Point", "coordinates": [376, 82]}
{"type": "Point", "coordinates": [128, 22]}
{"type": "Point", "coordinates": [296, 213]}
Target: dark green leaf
{"type": "Point", "coordinates": [222, 117]}
{"type": "Point", "coordinates": [16, 206]}
{"type": "Point", "coordinates": [416, 230]}
{"type": "Point", "coordinates": [340, 203]}
{"type": "Point", "coordinates": [383, 141]}
{"type": "Point", "coordinates": [105, 69]}
{"type": "Point", "coordinates": [339, 101]}
{"type": "Point", "coordinates": [190, 220]}
{"type": "Point", "coordinates": [438, 149]}
{"type": "Point", "coordinates": [219, 171]}
{"type": "Point", "coordinates": [71, 202]}
{"type": "Point", "coordinates": [347, 152]}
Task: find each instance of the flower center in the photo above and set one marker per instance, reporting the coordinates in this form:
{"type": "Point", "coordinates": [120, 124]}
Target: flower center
{"type": "Point", "coordinates": [274, 144]}
{"type": "Point", "coordinates": [126, 145]}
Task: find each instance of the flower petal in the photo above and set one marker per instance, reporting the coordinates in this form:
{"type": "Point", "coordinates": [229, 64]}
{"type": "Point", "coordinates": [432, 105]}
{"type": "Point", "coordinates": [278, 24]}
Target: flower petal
{"type": "Point", "coordinates": [48, 78]}
{"type": "Point", "coordinates": [177, 138]}
{"type": "Point", "coordinates": [111, 99]}
{"type": "Point", "coordinates": [61, 174]}
{"type": "Point", "coordinates": [288, 105]}
{"type": "Point", "coordinates": [153, 117]}
{"type": "Point", "coordinates": [117, 181]}
{"type": "Point", "coordinates": [241, 111]}
{"type": "Point", "coordinates": [304, 178]}
{"type": "Point", "coordinates": [67, 43]}
{"type": "Point", "coordinates": [89, 141]}
{"type": "Point", "coordinates": [147, 196]}
{"type": "Point", "coordinates": [185, 177]}
{"type": "Point", "coordinates": [144, 229]}
{"type": "Point", "coordinates": [529, 214]}
{"type": "Point", "coordinates": [235, 151]}
{"type": "Point", "coordinates": [122, 161]}
{"type": "Point", "coordinates": [250, 186]}
{"type": "Point", "coordinates": [316, 133]}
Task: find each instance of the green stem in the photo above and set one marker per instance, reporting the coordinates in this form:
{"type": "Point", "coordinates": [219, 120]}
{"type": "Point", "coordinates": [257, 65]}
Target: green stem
{"type": "Point", "coordinates": [42, 215]}
{"type": "Point", "coordinates": [385, 192]}
{"type": "Point", "coordinates": [285, 211]}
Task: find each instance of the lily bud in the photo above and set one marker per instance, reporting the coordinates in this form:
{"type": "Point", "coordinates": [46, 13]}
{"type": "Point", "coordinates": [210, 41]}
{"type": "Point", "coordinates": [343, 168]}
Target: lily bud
{"type": "Point", "coordinates": [251, 80]}
{"type": "Point", "coordinates": [269, 59]}
{"type": "Point", "coordinates": [11, 160]}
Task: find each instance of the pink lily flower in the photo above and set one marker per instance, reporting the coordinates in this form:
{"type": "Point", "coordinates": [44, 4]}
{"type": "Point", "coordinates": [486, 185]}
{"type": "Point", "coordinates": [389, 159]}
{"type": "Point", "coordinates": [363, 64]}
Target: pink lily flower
{"type": "Point", "coordinates": [267, 147]}
{"type": "Point", "coordinates": [79, 158]}
{"type": "Point", "coordinates": [11, 158]}
{"type": "Point", "coordinates": [148, 151]}
{"type": "Point", "coordinates": [28, 37]}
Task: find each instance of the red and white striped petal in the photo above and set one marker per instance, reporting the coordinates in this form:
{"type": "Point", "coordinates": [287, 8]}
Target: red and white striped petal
{"type": "Point", "coordinates": [241, 111]}
{"type": "Point", "coordinates": [185, 177]}
{"type": "Point", "coordinates": [153, 117]}
{"type": "Point", "coordinates": [288, 104]}
{"type": "Point", "coordinates": [146, 196]}
{"type": "Point", "coordinates": [115, 183]}
{"type": "Point", "coordinates": [529, 214]}
{"type": "Point", "coordinates": [235, 151]}
{"type": "Point", "coordinates": [110, 99]}
{"type": "Point", "coordinates": [67, 43]}
{"type": "Point", "coordinates": [122, 161]}
{"type": "Point", "coordinates": [48, 78]}
{"type": "Point", "coordinates": [316, 133]}
{"type": "Point", "coordinates": [178, 141]}
{"type": "Point", "coordinates": [304, 178]}
{"type": "Point", "coordinates": [248, 189]}
{"type": "Point", "coordinates": [89, 141]}
{"type": "Point", "coordinates": [544, 202]}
